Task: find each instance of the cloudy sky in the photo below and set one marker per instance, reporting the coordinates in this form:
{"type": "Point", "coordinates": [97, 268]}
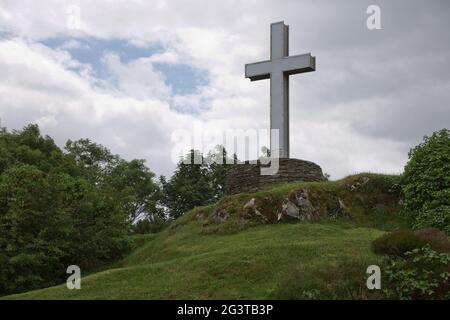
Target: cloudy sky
{"type": "Point", "coordinates": [127, 74]}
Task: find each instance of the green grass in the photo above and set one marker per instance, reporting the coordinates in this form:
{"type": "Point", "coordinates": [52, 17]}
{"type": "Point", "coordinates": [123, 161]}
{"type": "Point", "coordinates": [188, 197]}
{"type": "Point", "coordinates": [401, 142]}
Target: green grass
{"type": "Point", "coordinates": [197, 259]}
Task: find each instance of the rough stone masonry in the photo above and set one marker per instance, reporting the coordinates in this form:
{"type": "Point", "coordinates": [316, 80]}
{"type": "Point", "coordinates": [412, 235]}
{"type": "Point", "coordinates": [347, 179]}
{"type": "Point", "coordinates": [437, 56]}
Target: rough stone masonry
{"type": "Point", "coordinates": [246, 177]}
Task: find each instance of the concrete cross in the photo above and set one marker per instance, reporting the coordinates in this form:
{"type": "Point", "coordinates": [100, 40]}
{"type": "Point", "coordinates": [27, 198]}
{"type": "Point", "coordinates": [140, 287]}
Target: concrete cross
{"type": "Point", "coordinates": [278, 69]}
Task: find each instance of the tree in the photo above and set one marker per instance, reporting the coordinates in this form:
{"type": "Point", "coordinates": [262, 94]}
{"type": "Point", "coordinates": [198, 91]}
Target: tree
{"type": "Point", "coordinates": [59, 209]}
{"type": "Point", "coordinates": [28, 146]}
{"type": "Point", "coordinates": [426, 182]}
{"type": "Point", "coordinates": [137, 192]}
{"type": "Point", "coordinates": [95, 160]}
{"type": "Point", "coordinates": [131, 181]}
{"type": "Point", "coordinates": [33, 240]}
{"type": "Point", "coordinates": [195, 184]}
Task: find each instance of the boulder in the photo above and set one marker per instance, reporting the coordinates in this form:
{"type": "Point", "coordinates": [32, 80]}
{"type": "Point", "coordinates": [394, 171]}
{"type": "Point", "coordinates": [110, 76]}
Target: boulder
{"type": "Point", "coordinates": [250, 204]}
{"type": "Point", "coordinates": [250, 210]}
{"type": "Point", "coordinates": [289, 210]}
{"type": "Point", "coordinates": [307, 210]}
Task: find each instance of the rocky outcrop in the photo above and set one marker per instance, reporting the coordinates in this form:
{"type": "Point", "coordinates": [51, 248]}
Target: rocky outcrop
{"type": "Point", "coordinates": [221, 215]}
{"type": "Point", "coordinates": [306, 208]}
{"type": "Point", "coordinates": [250, 211]}
{"type": "Point", "coordinates": [358, 184]}
{"type": "Point", "coordinates": [300, 209]}
{"type": "Point", "coordinates": [298, 206]}
{"type": "Point", "coordinates": [289, 210]}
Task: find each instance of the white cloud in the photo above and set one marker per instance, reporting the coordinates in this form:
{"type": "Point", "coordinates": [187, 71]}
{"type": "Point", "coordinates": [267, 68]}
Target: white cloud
{"type": "Point", "coordinates": [36, 87]}
{"type": "Point", "coordinates": [137, 79]}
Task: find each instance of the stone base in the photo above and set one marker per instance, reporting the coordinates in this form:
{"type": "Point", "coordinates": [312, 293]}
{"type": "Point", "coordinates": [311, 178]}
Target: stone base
{"type": "Point", "coordinates": [246, 177]}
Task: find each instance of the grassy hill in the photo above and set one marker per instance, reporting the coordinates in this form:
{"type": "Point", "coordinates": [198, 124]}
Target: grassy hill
{"type": "Point", "coordinates": [244, 248]}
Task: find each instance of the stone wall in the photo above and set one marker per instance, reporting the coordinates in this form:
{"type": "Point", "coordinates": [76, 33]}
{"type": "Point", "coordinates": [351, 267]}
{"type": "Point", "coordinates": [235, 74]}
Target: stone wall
{"type": "Point", "coordinates": [246, 177]}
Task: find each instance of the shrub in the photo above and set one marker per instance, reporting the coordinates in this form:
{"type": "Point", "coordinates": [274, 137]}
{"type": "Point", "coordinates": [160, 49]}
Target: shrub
{"type": "Point", "coordinates": [420, 274]}
{"type": "Point", "coordinates": [438, 217]}
{"type": "Point", "coordinates": [436, 238]}
{"type": "Point", "coordinates": [397, 243]}
{"type": "Point", "coordinates": [426, 182]}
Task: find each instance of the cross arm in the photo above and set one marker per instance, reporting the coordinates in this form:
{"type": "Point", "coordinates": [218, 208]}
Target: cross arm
{"type": "Point", "coordinates": [298, 64]}
{"type": "Point", "coordinates": [258, 70]}
{"type": "Point", "coordinates": [290, 65]}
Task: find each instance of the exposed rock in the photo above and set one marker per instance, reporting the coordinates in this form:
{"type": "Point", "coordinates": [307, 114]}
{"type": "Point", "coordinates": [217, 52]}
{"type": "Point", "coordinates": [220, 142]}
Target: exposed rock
{"type": "Point", "coordinates": [221, 215]}
{"type": "Point", "coordinates": [343, 210]}
{"type": "Point", "coordinates": [361, 182]}
{"type": "Point", "coordinates": [302, 209]}
{"type": "Point", "coordinates": [250, 204]}
{"type": "Point", "coordinates": [260, 215]}
{"type": "Point", "coordinates": [336, 208]}
{"type": "Point", "coordinates": [290, 210]}
{"type": "Point", "coordinates": [251, 210]}
{"type": "Point", "coordinates": [307, 210]}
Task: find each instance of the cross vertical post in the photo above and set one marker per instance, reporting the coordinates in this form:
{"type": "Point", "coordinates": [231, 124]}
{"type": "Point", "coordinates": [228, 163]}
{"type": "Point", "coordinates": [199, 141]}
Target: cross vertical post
{"type": "Point", "coordinates": [278, 69]}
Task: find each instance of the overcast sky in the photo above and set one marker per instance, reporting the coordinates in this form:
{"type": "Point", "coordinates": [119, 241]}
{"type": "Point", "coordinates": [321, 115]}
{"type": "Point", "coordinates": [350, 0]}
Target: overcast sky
{"type": "Point", "coordinates": [127, 74]}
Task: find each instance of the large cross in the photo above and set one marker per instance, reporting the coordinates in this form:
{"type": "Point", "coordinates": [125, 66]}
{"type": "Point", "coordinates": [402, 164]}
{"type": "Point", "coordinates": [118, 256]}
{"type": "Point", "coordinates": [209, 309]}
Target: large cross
{"type": "Point", "coordinates": [278, 69]}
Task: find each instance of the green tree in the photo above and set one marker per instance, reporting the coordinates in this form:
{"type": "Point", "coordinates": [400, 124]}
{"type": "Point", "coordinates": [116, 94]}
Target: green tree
{"type": "Point", "coordinates": [28, 146]}
{"type": "Point", "coordinates": [95, 160]}
{"type": "Point", "coordinates": [58, 209]}
{"type": "Point", "coordinates": [137, 192]}
{"type": "Point", "coordinates": [131, 182]}
{"type": "Point", "coordinates": [35, 230]}
{"type": "Point", "coordinates": [426, 182]}
{"type": "Point", "coordinates": [195, 183]}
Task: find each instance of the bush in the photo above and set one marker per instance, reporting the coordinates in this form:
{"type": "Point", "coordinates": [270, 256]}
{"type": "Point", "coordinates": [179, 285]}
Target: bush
{"type": "Point", "coordinates": [426, 182]}
{"type": "Point", "coordinates": [397, 243]}
{"type": "Point", "coordinates": [438, 217]}
{"type": "Point", "coordinates": [420, 274]}
{"type": "Point", "coordinates": [436, 238]}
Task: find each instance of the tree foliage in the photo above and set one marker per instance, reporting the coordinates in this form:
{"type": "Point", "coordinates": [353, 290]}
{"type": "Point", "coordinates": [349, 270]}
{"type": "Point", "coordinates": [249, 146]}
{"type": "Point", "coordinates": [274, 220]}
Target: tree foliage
{"type": "Point", "coordinates": [61, 208]}
{"type": "Point", "coordinates": [198, 180]}
{"type": "Point", "coordinates": [426, 182]}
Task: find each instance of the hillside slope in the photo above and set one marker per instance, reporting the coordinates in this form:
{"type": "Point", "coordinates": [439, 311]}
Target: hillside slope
{"type": "Point", "coordinates": [246, 247]}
